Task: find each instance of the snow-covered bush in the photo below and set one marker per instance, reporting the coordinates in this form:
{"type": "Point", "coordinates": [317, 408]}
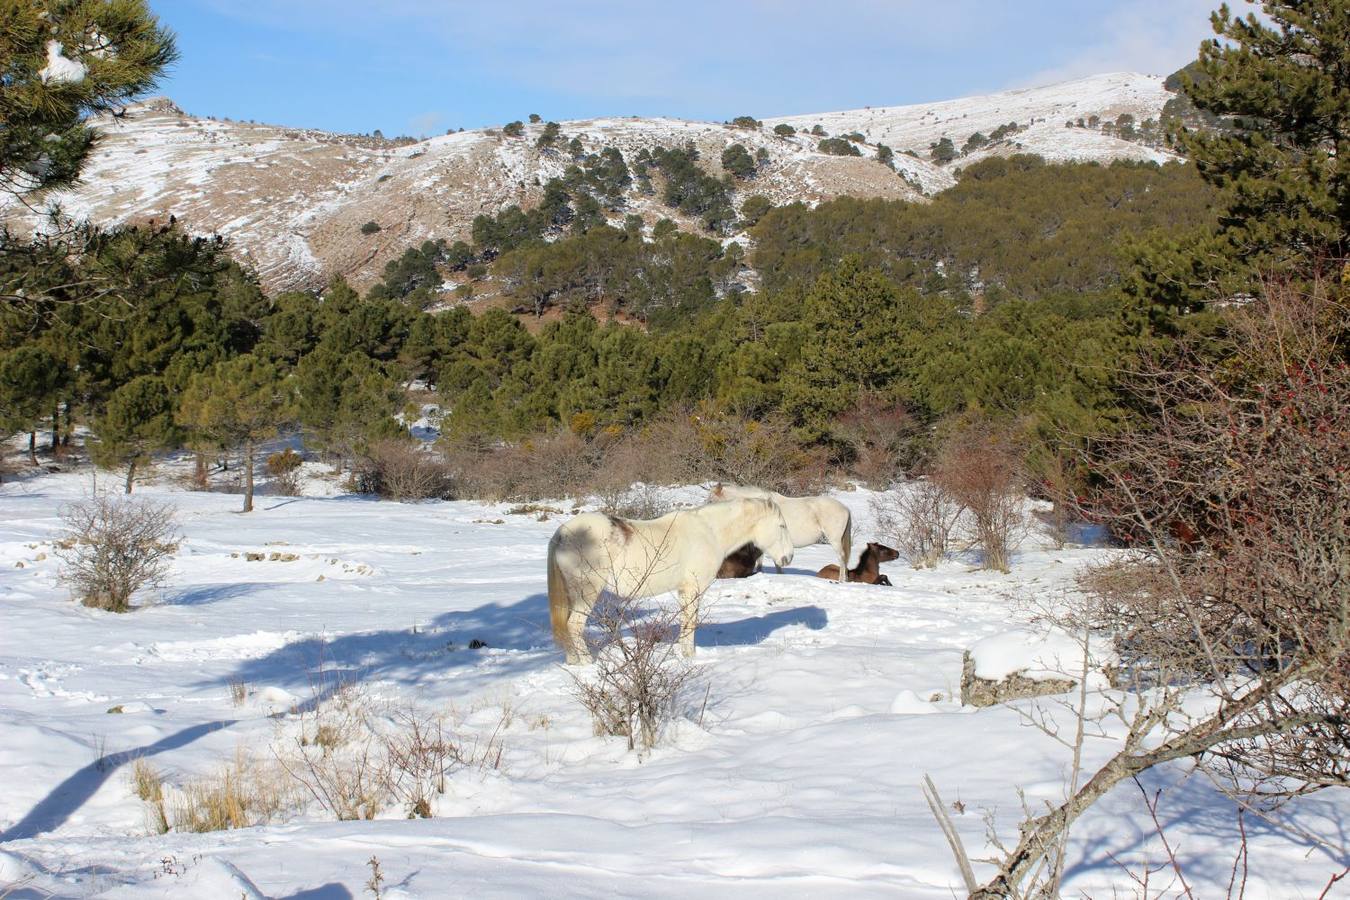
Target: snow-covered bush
{"type": "Point", "coordinates": [115, 547]}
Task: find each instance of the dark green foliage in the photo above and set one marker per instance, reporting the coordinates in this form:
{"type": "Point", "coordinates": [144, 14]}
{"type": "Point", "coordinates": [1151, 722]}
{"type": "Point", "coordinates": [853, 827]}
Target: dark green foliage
{"type": "Point", "coordinates": [549, 136]}
{"type": "Point", "coordinates": [608, 177]}
{"type": "Point", "coordinates": [535, 118]}
{"type": "Point", "coordinates": [784, 130]}
{"type": "Point", "coordinates": [514, 129]}
{"type": "Point", "coordinates": [45, 136]}
{"type": "Point", "coordinates": [754, 208]}
{"type": "Point", "coordinates": [346, 400]}
{"type": "Point", "coordinates": [137, 422]}
{"type": "Point", "coordinates": [838, 147]}
{"type": "Point", "coordinates": [292, 329]}
{"type": "Point", "coordinates": [370, 228]}
{"type": "Point", "coordinates": [851, 318]}
{"type": "Point", "coordinates": [675, 273]}
{"type": "Point", "coordinates": [237, 404]}
{"type": "Point", "coordinates": [817, 130]}
{"type": "Point", "coordinates": [886, 156]}
{"type": "Point", "coordinates": [746, 122]}
{"type": "Point", "coordinates": [738, 162]}
{"type": "Point", "coordinates": [31, 383]}
{"type": "Point", "coordinates": [942, 151]}
{"type": "Point", "coordinates": [414, 271]}
{"type": "Point", "coordinates": [856, 137]}
{"type": "Point", "coordinates": [1005, 131]}
{"type": "Point", "coordinates": [691, 190]}
{"type": "Point", "coordinates": [1014, 225]}
{"type": "Point", "coordinates": [458, 256]}
{"type": "Point", "coordinates": [973, 143]}
{"type": "Point", "coordinates": [1280, 163]}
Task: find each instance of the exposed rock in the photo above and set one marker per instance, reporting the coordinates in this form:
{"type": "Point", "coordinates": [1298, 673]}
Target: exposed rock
{"type": "Point", "coordinates": [976, 691]}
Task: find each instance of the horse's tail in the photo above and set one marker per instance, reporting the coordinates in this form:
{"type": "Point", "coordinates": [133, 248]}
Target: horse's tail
{"type": "Point", "coordinates": [559, 601]}
{"type": "Point", "coordinates": [846, 543]}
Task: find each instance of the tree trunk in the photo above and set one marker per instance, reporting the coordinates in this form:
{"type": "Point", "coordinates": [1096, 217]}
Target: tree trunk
{"type": "Point", "coordinates": [199, 471]}
{"type": "Point", "coordinates": [131, 475]}
{"type": "Point", "coordinates": [56, 426]}
{"type": "Point", "coordinates": [70, 424]}
{"type": "Point", "coordinates": [248, 477]}
{"type": "Point", "coordinates": [32, 447]}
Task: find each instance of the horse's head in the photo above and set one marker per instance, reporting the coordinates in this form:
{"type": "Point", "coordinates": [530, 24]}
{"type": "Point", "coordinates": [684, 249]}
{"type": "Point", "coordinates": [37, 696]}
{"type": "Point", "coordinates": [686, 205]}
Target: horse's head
{"type": "Point", "coordinates": [771, 534]}
{"type": "Point", "coordinates": [883, 553]}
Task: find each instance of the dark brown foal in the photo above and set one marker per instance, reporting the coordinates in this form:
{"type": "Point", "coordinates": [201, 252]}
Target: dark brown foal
{"type": "Point", "coordinates": [741, 563]}
{"type": "Point", "coordinates": [868, 568]}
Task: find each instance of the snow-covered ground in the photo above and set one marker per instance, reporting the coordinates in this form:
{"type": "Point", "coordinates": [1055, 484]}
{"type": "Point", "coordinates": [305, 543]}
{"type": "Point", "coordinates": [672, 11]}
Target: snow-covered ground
{"type": "Point", "coordinates": [826, 705]}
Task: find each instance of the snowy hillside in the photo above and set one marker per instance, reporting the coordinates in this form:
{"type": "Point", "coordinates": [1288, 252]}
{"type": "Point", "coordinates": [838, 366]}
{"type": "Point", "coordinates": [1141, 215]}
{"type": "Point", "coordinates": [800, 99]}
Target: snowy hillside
{"type": "Point", "coordinates": [293, 201]}
{"type": "Point", "coordinates": [1042, 111]}
{"type": "Point", "coordinates": [797, 776]}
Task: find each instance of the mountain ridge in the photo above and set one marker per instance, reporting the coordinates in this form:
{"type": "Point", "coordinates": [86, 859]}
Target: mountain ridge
{"type": "Point", "coordinates": [297, 203]}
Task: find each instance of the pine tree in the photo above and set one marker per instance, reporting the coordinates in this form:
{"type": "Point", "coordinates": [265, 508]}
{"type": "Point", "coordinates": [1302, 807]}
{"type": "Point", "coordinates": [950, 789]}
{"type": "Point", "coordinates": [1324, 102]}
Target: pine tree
{"type": "Point", "coordinates": [138, 421]}
{"type": "Point", "coordinates": [55, 76]}
{"type": "Point", "coordinates": [852, 316]}
{"type": "Point", "coordinates": [738, 161]}
{"type": "Point", "coordinates": [1282, 160]}
{"type": "Point", "coordinates": [31, 380]}
{"type": "Point", "coordinates": [238, 403]}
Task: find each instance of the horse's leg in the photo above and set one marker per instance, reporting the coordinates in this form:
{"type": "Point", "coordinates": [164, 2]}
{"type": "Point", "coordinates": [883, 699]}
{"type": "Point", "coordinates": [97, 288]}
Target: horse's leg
{"type": "Point", "coordinates": [844, 547]}
{"type": "Point", "coordinates": [689, 597]}
{"type": "Point", "coordinates": [578, 654]}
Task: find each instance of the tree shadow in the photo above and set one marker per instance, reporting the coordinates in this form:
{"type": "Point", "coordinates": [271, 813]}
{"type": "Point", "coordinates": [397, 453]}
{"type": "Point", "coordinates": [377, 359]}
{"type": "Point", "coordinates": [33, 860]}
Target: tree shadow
{"type": "Point", "coordinates": [204, 594]}
{"type": "Point", "coordinates": [68, 796]}
{"type": "Point", "coordinates": [330, 891]}
{"type": "Point", "coordinates": [1193, 802]}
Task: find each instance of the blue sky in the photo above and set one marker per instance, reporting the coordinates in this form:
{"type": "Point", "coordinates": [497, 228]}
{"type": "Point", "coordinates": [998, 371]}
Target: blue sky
{"type": "Point", "coordinates": [422, 66]}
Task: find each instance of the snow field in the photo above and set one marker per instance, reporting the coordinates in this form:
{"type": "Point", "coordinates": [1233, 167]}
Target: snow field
{"type": "Point", "coordinates": [826, 706]}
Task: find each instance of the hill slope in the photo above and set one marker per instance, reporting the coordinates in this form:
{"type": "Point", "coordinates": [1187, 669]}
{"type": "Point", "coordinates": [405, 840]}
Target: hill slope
{"type": "Point", "coordinates": [293, 201]}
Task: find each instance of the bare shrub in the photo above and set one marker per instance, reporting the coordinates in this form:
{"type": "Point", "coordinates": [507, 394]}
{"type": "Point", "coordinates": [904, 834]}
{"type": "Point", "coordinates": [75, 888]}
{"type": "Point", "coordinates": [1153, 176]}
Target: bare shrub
{"type": "Point", "coordinates": [1232, 630]}
{"type": "Point", "coordinates": [554, 464]}
{"type": "Point", "coordinates": [879, 436]}
{"type": "Point", "coordinates": [243, 793]}
{"type": "Point", "coordinates": [400, 470]}
{"type": "Point", "coordinates": [115, 547]}
{"type": "Point", "coordinates": [639, 679]}
{"type": "Point", "coordinates": [922, 518]}
{"type": "Point", "coordinates": [336, 754]}
{"type": "Point", "coordinates": [421, 755]}
{"type": "Point", "coordinates": [283, 469]}
{"type": "Point", "coordinates": [761, 452]}
{"type": "Point", "coordinates": [979, 468]}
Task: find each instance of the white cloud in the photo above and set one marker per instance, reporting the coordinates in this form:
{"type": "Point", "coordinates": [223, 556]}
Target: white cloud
{"type": "Point", "coordinates": [1152, 36]}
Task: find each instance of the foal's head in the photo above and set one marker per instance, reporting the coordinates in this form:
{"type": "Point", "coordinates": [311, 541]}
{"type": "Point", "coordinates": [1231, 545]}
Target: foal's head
{"type": "Point", "coordinates": [881, 553]}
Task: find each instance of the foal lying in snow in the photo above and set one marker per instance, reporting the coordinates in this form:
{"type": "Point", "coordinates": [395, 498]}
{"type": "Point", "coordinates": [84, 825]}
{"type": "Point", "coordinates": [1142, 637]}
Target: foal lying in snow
{"type": "Point", "coordinates": [868, 568]}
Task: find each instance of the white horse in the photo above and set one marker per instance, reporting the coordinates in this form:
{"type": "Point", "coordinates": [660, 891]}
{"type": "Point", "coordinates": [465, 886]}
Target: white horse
{"type": "Point", "coordinates": [810, 520]}
{"type": "Point", "coordinates": [681, 551]}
